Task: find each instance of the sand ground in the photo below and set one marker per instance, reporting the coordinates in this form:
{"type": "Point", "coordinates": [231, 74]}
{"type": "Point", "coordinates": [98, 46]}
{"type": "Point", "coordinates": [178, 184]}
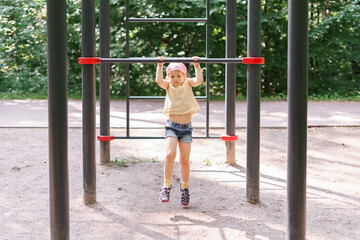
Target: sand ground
{"type": "Point", "coordinates": [127, 197]}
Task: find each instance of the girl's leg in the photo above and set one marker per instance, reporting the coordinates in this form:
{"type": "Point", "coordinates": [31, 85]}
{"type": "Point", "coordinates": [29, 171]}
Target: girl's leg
{"type": "Point", "coordinates": [185, 149]}
{"type": "Point", "coordinates": [171, 144]}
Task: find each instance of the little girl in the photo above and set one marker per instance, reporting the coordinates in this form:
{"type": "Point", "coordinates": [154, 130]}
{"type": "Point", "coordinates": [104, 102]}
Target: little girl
{"type": "Point", "coordinates": [180, 105]}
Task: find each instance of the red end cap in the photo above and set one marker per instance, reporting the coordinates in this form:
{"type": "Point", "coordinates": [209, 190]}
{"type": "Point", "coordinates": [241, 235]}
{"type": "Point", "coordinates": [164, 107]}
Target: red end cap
{"type": "Point", "coordinates": [229, 138]}
{"type": "Point", "coordinates": [253, 60]}
{"type": "Point", "coordinates": [105, 138]}
{"type": "Point", "coordinates": [90, 60]}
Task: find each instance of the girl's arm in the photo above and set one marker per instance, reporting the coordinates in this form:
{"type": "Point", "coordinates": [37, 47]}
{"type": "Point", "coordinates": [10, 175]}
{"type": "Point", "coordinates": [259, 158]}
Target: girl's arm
{"type": "Point", "coordinates": [198, 79]}
{"type": "Point", "coordinates": [160, 76]}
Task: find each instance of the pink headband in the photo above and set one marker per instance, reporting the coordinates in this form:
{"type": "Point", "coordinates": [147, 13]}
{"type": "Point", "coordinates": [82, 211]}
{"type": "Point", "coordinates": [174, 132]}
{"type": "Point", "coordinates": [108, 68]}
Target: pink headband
{"type": "Point", "coordinates": [176, 66]}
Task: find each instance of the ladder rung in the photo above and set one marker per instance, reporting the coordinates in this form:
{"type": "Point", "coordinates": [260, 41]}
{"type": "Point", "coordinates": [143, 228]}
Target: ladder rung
{"type": "Point", "coordinates": [168, 20]}
{"type": "Point", "coordinates": [159, 97]}
{"type": "Point", "coordinates": [159, 137]}
{"type": "Point", "coordinates": [146, 97]}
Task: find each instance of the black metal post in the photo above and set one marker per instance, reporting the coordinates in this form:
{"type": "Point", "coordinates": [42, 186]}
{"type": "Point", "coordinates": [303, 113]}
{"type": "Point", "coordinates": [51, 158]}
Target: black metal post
{"type": "Point", "coordinates": [230, 84]}
{"type": "Point", "coordinates": [57, 115]}
{"type": "Point", "coordinates": [104, 23]}
{"type": "Point", "coordinates": [253, 103]}
{"type": "Point", "coordinates": [207, 77]}
{"type": "Point", "coordinates": [127, 66]}
{"type": "Point", "coordinates": [89, 102]}
{"type": "Point", "coordinates": [297, 121]}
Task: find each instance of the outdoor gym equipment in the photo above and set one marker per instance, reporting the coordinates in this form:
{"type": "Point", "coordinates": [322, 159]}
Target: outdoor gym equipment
{"type": "Point", "coordinates": [89, 61]}
{"type": "Point", "coordinates": [57, 85]}
{"type": "Point", "coordinates": [105, 157]}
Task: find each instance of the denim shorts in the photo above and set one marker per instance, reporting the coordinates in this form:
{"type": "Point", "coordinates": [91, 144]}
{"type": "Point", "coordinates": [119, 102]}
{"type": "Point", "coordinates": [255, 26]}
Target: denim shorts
{"type": "Point", "coordinates": [183, 132]}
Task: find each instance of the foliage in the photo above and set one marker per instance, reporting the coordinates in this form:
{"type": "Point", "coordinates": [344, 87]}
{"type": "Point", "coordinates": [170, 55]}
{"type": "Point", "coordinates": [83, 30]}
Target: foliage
{"type": "Point", "coordinates": [334, 61]}
{"type": "Point", "coordinates": [169, 39]}
{"type": "Point", "coordinates": [333, 45]}
{"type": "Point", "coordinates": [274, 37]}
{"type": "Point", "coordinates": [74, 46]}
{"type": "Point", "coordinates": [22, 46]}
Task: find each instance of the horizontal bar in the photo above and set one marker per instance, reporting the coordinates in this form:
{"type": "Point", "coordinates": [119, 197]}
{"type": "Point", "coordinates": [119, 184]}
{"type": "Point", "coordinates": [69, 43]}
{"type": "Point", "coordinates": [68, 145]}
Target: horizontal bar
{"type": "Point", "coordinates": [245, 60]}
{"type": "Point", "coordinates": [159, 97]}
{"type": "Point", "coordinates": [146, 97]}
{"type": "Point", "coordinates": [167, 20]}
{"type": "Point", "coordinates": [159, 137]}
{"type": "Point", "coordinates": [170, 59]}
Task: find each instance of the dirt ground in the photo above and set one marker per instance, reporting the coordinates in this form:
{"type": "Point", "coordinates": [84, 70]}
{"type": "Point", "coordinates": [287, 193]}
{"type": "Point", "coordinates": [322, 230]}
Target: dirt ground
{"type": "Point", "coordinates": [127, 197]}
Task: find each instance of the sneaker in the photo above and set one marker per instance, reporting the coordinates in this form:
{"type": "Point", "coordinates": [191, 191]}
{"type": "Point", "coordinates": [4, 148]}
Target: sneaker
{"type": "Point", "coordinates": [165, 194]}
{"type": "Point", "coordinates": [185, 196]}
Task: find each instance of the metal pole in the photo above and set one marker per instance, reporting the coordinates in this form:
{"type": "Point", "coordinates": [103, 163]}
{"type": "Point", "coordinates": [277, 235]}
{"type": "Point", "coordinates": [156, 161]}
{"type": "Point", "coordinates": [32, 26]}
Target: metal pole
{"type": "Point", "coordinates": [127, 66]}
{"type": "Point", "coordinates": [172, 59]}
{"type": "Point", "coordinates": [177, 20]}
{"type": "Point", "coordinates": [297, 121]}
{"type": "Point", "coordinates": [89, 102]}
{"type": "Point", "coordinates": [104, 23]}
{"type": "Point", "coordinates": [57, 117]}
{"type": "Point", "coordinates": [253, 103]}
{"type": "Point", "coordinates": [230, 84]}
{"type": "Point", "coordinates": [207, 68]}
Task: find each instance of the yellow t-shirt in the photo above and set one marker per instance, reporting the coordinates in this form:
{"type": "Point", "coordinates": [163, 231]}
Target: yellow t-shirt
{"type": "Point", "coordinates": [180, 100]}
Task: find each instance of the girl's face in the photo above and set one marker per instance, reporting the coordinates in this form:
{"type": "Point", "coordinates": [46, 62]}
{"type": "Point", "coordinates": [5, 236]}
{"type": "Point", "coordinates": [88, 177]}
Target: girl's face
{"type": "Point", "coordinates": [176, 77]}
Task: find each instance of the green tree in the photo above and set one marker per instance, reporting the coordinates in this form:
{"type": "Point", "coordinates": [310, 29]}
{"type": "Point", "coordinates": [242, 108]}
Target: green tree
{"type": "Point", "coordinates": [22, 46]}
{"type": "Point", "coordinates": [74, 46]}
{"type": "Point", "coordinates": [334, 48]}
{"type": "Point", "coordinates": [274, 37]}
{"type": "Point", "coordinates": [333, 45]}
{"type": "Point", "coordinates": [175, 40]}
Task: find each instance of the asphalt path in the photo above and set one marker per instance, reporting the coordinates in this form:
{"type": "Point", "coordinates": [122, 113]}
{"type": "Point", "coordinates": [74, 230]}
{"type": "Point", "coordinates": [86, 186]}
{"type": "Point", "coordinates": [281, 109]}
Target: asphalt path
{"type": "Point", "coordinates": [148, 114]}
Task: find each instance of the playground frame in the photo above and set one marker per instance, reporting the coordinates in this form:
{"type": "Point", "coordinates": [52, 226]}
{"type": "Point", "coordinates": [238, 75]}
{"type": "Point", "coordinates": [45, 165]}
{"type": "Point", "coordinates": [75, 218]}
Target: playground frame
{"type": "Point", "coordinates": [58, 126]}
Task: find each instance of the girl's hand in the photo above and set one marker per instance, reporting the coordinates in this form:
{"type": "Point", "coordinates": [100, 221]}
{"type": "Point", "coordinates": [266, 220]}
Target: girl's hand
{"type": "Point", "coordinates": [196, 81]}
{"type": "Point", "coordinates": [161, 59]}
{"type": "Point", "coordinates": [159, 74]}
{"type": "Point", "coordinates": [196, 58]}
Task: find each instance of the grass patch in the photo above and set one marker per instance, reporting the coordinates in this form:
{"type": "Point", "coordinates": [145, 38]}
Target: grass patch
{"type": "Point", "coordinates": [207, 162]}
{"type": "Point", "coordinates": [22, 96]}
{"type": "Point", "coordinates": [334, 97]}
{"type": "Point", "coordinates": [125, 162]}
